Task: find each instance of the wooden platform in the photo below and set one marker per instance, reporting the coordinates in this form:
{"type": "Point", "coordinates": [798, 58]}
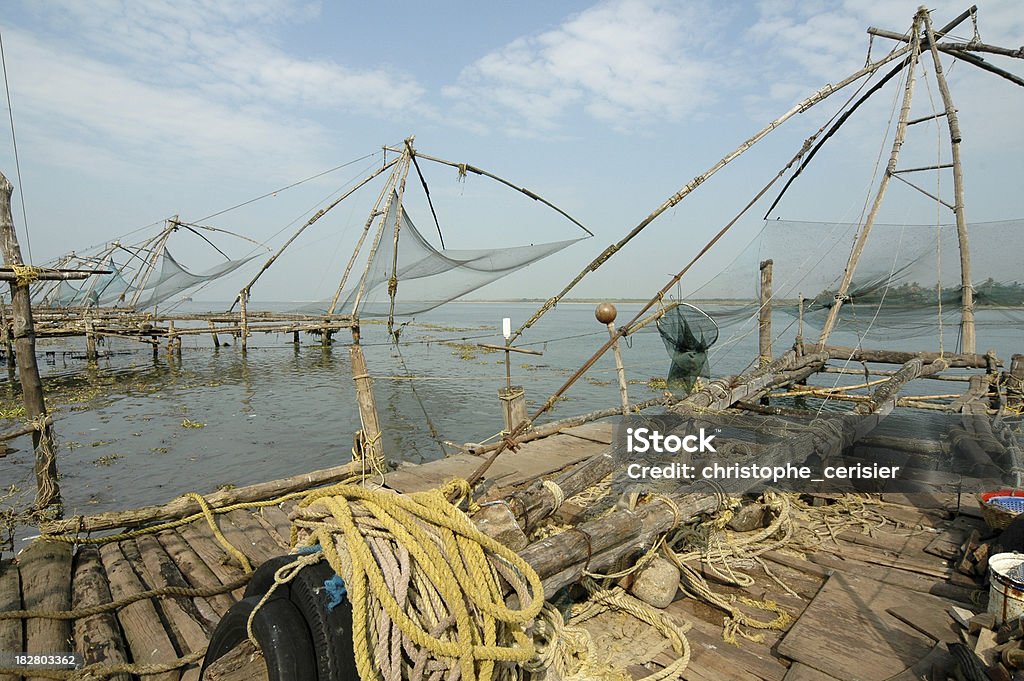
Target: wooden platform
{"type": "Point", "coordinates": [852, 606]}
{"type": "Point", "coordinates": [46, 575]}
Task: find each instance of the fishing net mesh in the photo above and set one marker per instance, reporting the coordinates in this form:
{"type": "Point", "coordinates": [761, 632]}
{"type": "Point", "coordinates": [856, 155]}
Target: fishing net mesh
{"type": "Point", "coordinates": [425, 276]}
{"type": "Point", "coordinates": [906, 284]}
{"type": "Point", "coordinates": [128, 286]}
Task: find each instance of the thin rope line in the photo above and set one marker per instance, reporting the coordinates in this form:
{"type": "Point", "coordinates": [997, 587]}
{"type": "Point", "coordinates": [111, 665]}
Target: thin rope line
{"type": "Point", "coordinates": [17, 161]}
{"type": "Point", "coordinates": [294, 184]}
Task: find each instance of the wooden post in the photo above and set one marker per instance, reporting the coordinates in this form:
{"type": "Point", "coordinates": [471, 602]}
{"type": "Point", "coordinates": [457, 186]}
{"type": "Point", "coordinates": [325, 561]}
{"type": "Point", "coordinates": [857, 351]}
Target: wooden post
{"type": "Point", "coordinates": [967, 339]}
{"type": "Point", "coordinates": [216, 338]}
{"type": "Point", "coordinates": [170, 336]}
{"type": "Point", "coordinates": [373, 448]}
{"type": "Point", "coordinates": [606, 314]}
{"type": "Point", "coordinates": [90, 341]}
{"type": "Point", "coordinates": [764, 314]}
{"type": "Point", "coordinates": [894, 154]}
{"type": "Point", "coordinates": [243, 319]}
{"type": "Point", "coordinates": [513, 406]}
{"type": "Point", "coordinates": [1015, 384]}
{"type": "Point", "coordinates": [47, 489]}
{"type": "Point", "coordinates": [295, 337]}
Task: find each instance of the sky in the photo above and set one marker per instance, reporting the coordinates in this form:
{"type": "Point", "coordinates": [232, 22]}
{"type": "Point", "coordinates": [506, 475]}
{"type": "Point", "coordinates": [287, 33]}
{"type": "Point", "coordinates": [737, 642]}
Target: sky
{"type": "Point", "coordinates": [127, 113]}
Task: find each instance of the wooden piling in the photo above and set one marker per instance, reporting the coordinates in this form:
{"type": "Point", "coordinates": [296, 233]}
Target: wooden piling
{"type": "Point", "coordinates": [47, 489]}
{"type": "Point", "coordinates": [90, 341]}
{"type": "Point", "coordinates": [373, 448]}
{"type": "Point", "coordinates": [295, 337]}
{"type": "Point", "coordinates": [213, 333]}
{"type": "Point", "coordinates": [243, 319]}
{"type": "Point", "coordinates": [764, 314]}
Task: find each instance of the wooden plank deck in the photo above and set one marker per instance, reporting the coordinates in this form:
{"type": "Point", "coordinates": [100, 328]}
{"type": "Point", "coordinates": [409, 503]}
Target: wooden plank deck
{"type": "Point", "coordinates": [857, 593]}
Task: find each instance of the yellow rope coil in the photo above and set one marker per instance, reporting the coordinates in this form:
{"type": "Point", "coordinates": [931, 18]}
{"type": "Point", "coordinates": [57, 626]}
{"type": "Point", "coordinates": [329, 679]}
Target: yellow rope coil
{"type": "Point", "coordinates": [454, 607]}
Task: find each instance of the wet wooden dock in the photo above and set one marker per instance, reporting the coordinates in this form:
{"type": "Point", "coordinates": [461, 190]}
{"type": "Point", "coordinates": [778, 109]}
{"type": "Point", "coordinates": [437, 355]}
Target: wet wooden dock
{"type": "Point", "coordinates": [868, 606]}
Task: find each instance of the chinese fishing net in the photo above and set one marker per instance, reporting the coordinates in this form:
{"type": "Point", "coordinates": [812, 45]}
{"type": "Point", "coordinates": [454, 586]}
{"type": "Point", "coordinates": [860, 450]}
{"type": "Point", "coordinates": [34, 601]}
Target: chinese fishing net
{"type": "Point", "coordinates": [422, 277]}
{"type": "Point", "coordinates": [134, 285]}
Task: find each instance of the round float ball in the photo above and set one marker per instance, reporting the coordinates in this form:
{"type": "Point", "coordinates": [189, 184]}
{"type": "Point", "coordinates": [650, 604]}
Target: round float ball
{"type": "Point", "coordinates": [605, 313]}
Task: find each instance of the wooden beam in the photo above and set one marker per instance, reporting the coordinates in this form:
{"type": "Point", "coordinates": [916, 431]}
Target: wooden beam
{"type": "Point", "coordinates": [899, 357]}
{"type": "Point", "coordinates": [183, 506]}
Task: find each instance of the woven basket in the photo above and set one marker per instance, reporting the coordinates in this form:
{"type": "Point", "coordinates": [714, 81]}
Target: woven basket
{"type": "Point", "coordinates": [996, 516]}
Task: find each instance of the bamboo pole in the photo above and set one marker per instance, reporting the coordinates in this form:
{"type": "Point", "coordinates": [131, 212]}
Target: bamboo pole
{"type": "Point", "coordinates": [764, 314]}
{"type": "Point", "coordinates": [243, 320]}
{"type": "Point", "coordinates": [399, 214]}
{"type": "Point", "coordinates": [620, 370]}
{"type": "Point", "coordinates": [673, 200]}
{"type": "Point", "coordinates": [373, 447]}
{"type": "Point", "coordinates": [894, 154]}
{"type": "Point", "coordinates": [554, 427]}
{"type": "Point", "coordinates": [606, 313]}
{"type": "Point", "coordinates": [401, 170]}
{"type": "Point", "coordinates": [319, 214]}
{"type": "Point", "coordinates": [464, 168]}
{"type": "Point", "coordinates": [374, 212]}
{"type": "Point", "coordinates": [144, 275]}
{"type": "Point", "coordinates": [43, 442]}
{"type": "Point", "coordinates": [967, 339]}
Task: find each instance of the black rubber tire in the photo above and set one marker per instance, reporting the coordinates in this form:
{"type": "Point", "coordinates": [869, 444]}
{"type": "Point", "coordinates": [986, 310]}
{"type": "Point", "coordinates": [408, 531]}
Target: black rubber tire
{"type": "Point", "coordinates": [263, 578]}
{"type": "Point", "coordinates": [331, 630]}
{"type": "Point", "coordinates": [281, 632]}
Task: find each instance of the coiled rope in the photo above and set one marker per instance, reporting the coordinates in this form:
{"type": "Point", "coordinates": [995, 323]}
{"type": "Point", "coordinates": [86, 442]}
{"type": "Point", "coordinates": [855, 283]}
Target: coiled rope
{"type": "Point", "coordinates": [424, 583]}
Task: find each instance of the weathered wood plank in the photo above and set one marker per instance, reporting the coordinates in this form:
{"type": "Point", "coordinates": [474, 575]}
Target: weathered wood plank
{"type": "Point", "coordinates": [280, 543]}
{"type": "Point", "coordinates": [148, 640]}
{"type": "Point", "coordinates": [801, 672]}
{"type": "Point", "coordinates": [277, 517]}
{"type": "Point", "coordinates": [254, 539]}
{"type": "Point", "coordinates": [45, 568]}
{"type": "Point", "coordinates": [213, 554]}
{"type": "Point", "coordinates": [190, 626]}
{"type": "Point", "coordinates": [194, 569]}
{"type": "Point", "coordinates": [161, 571]}
{"type": "Point", "coordinates": [847, 633]}
{"type": "Point", "coordinates": [98, 638]}
{"type": "Point", "coordinates": [10, 599]}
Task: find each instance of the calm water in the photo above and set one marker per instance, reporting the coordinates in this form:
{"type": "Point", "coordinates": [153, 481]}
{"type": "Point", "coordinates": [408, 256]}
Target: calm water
{"type": "Point", "coordinates": [283, 410]}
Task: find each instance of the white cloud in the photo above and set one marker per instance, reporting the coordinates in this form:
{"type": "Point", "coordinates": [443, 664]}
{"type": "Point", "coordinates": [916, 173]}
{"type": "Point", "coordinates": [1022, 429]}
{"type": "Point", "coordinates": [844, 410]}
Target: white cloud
{"type": "Point", "coordinates": [623, 62]}
{"type": "Point", "coordinates": [196, 80]}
